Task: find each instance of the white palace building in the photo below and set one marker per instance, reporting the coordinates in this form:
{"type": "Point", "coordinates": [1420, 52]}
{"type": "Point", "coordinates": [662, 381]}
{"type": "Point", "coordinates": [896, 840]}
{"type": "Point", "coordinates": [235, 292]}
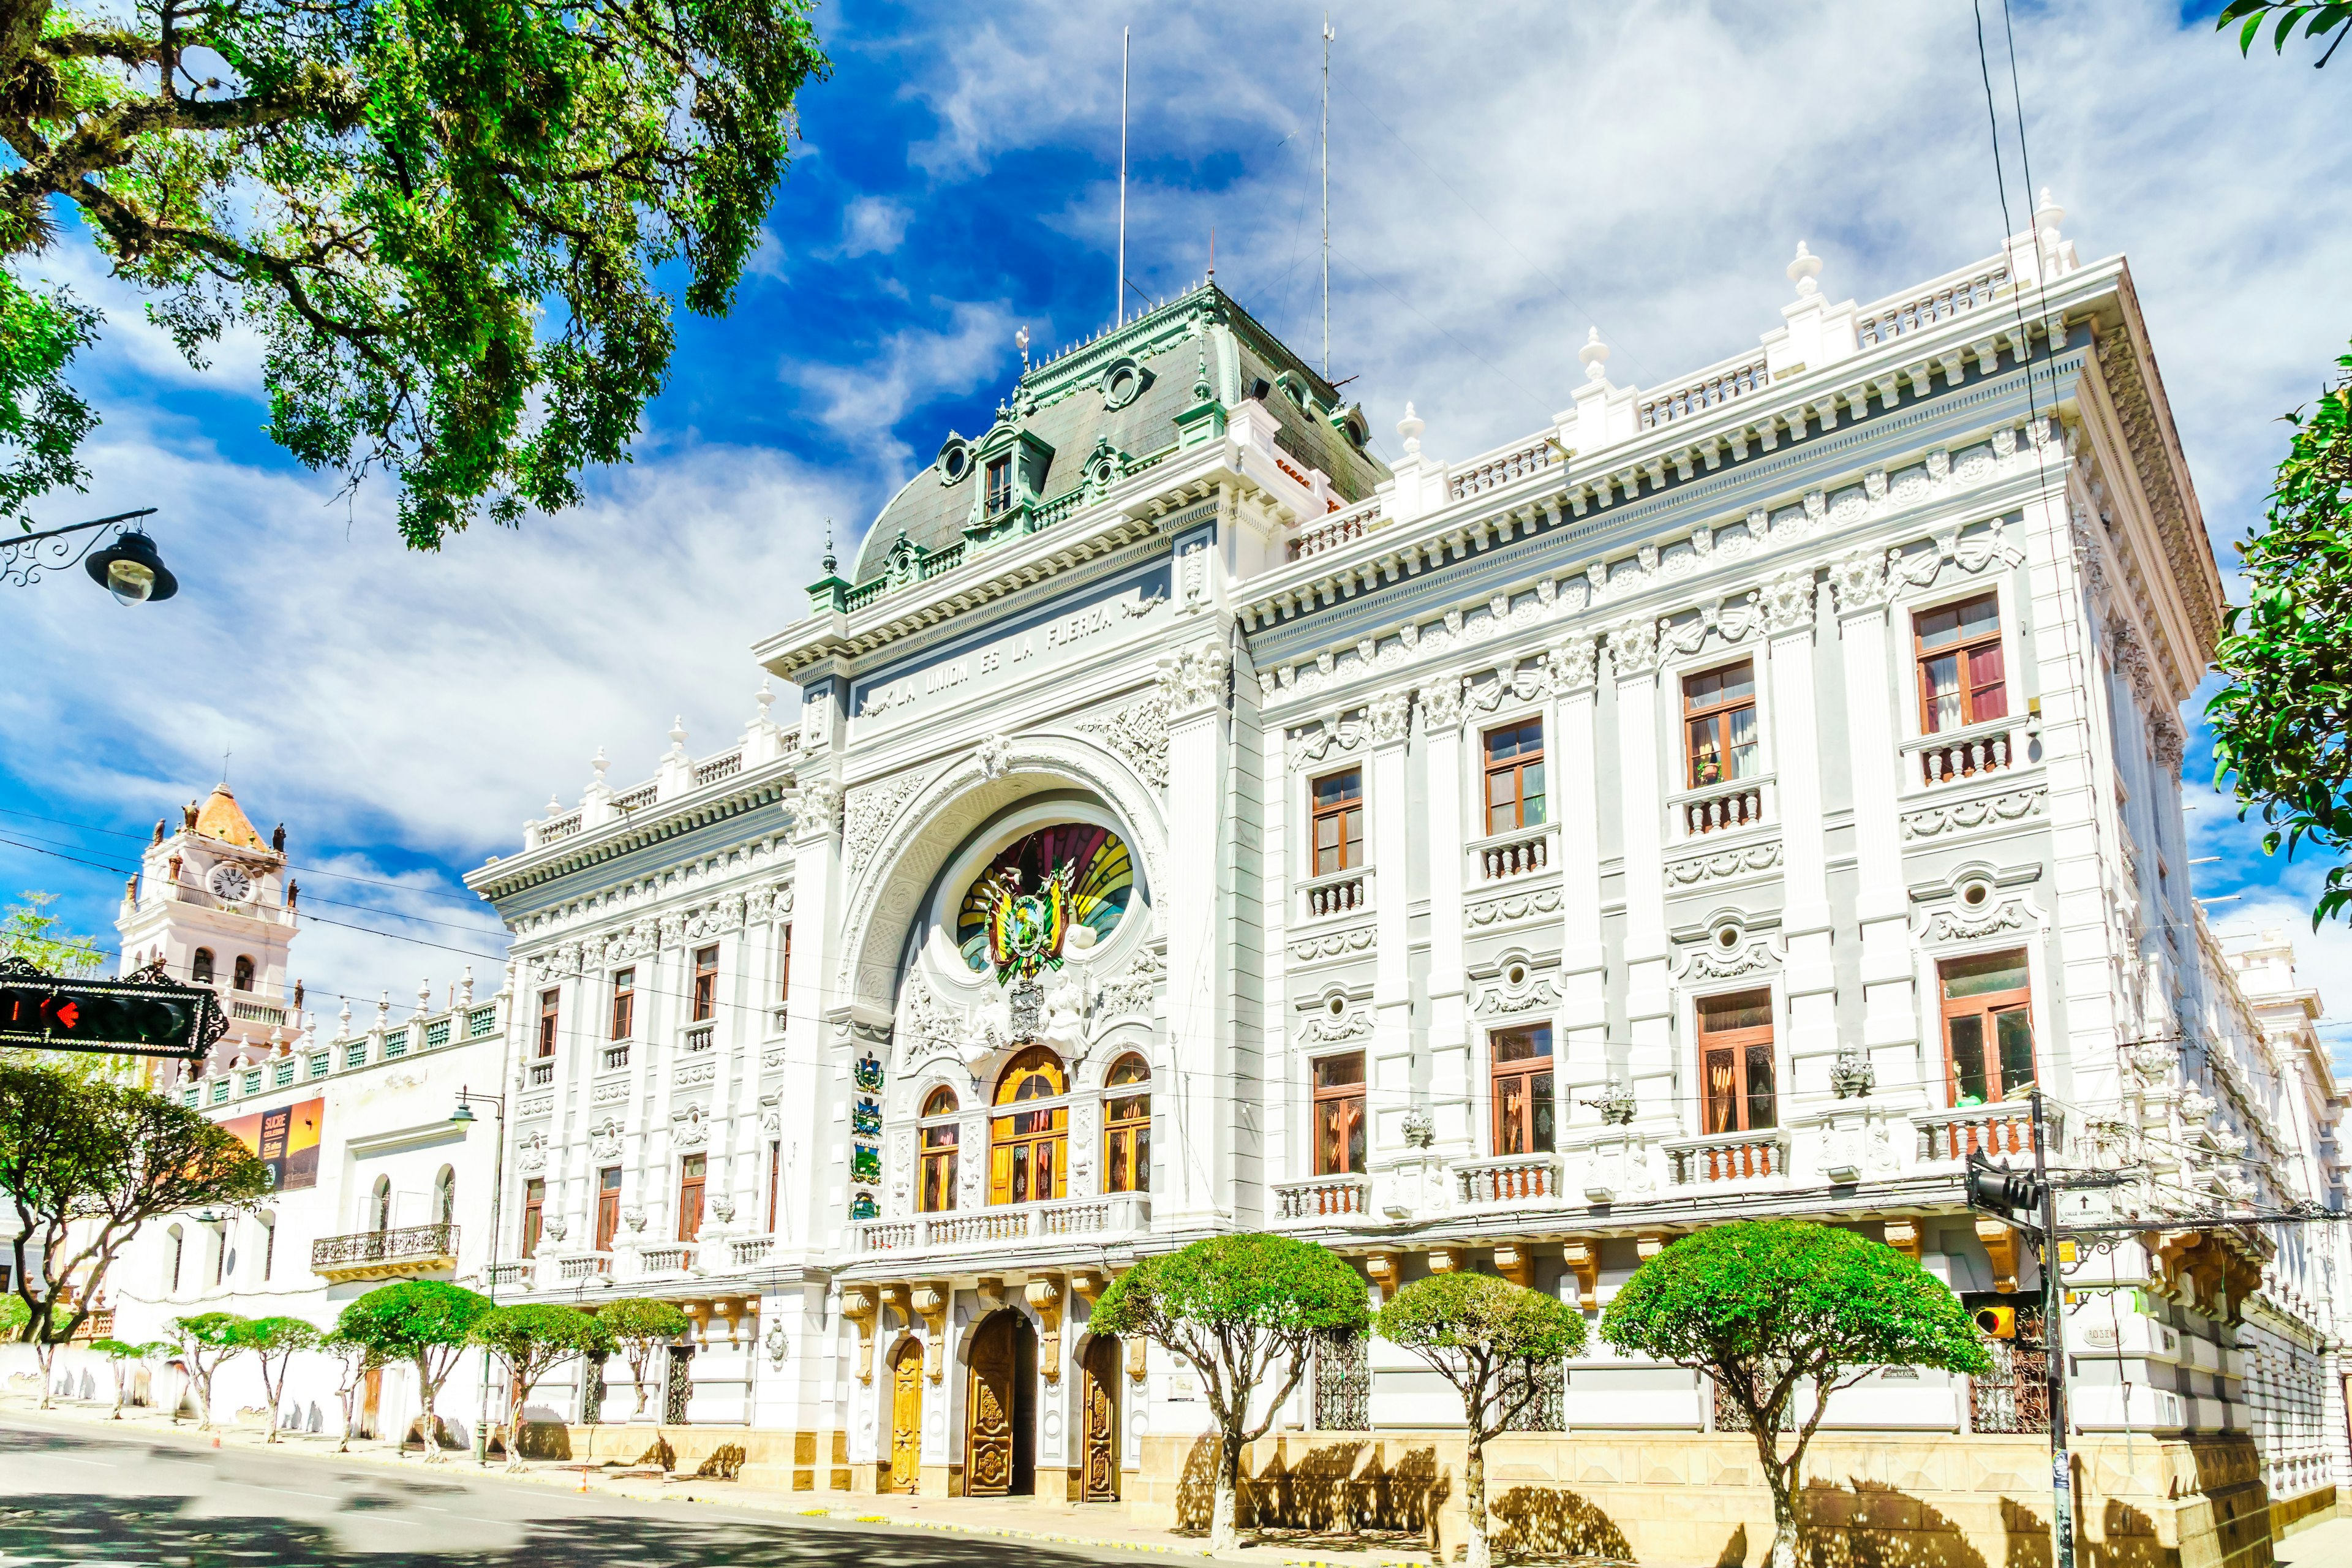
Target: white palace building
{"type": "Point", "coordinates": [1727, 801]}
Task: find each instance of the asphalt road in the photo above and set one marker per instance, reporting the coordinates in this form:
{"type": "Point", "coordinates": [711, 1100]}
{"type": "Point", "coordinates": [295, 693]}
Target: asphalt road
{"type": "Point", "coordinates": [69, 1495]}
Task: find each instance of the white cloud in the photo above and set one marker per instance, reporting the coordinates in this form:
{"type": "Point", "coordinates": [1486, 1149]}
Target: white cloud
{"type": "Point", "coordinates": [863, 403]}
{"type": "Point", "coordinates": [873, 225]}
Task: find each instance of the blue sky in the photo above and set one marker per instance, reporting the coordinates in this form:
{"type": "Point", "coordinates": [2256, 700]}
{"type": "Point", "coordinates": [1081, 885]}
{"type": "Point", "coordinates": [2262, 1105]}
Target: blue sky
{"type": "Point", "coordinates": [1503, 177]}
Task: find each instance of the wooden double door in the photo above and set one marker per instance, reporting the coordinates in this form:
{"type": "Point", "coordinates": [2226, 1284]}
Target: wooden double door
{"type": "Point", "coordinates": [1001, 1412]}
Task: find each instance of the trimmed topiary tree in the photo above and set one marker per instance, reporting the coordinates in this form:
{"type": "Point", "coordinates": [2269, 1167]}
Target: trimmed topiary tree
{"type": "Point", "coordinates": [1773, 1309]}
{"type": "Point", "coordinates": [640, 1325]}
{"type": "Point", "coordinates": [533, 1339]}
{"type": "Point", "coordinates": [206, 1341]}
{"type": "Point", "coordinates": [1478, 1331]}
{"type": "Point", "coordinates": [128, 1359]}
{"type": "Point", "coordinates": [1235, 1306]}
{"type": "Point", "coordinates": [354, 1359]}
{"type": "Point", "coordinates": [422, 1321]}
{"type": "Point", "coordinates": [276, 1340]}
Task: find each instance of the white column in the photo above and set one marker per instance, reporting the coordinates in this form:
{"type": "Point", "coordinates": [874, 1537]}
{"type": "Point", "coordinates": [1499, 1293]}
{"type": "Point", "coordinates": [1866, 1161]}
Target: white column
{"type": "Point", "coordinates": [1449, 1043]}
{"type": "Point", "coordinates": [1571, 752]}
{"type": "Point", "coordinates": [1890, 1025]}
{"type": "Point", "coordinates": [1189, 904]}
{"type": "Point", "coordinates": [1389, 1069]}
{"type": "Point", "coordinates": [1809, 975]}
{"type": "Point", "coordinates": [1649, 996]}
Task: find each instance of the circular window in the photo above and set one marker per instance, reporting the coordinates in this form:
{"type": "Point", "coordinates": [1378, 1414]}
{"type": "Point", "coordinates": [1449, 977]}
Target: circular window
{"type": "Point", "coordinates": [1726, 937]}
{"type": "Point", "coordinates": [1059, 891]}
{"type": "Point", "coordinates": [1336, 1005]}
{"type": "Point", "coordinates": [1975, 894]}
{"type": "Point", "coordinates": [955, 462]}
{"type": "Point", "coordinates": [1515, 976]}
{"type": "Point", "coordinates": [1122, 383]}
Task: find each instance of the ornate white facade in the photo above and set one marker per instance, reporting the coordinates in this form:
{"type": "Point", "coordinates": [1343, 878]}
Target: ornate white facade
{"type": "Point", "coordinates": [1169, 596]}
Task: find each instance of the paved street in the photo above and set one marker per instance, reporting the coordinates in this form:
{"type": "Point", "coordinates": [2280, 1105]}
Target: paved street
{"type": "Point", "coordinates": [71, 1495]}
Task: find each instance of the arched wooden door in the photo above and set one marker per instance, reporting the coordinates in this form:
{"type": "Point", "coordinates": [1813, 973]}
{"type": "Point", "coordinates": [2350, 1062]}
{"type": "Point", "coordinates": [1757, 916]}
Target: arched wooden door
{"type": "Point", "coordinates": [1100, 1396]}
{"type": "Point", "coordinates": [906, 1417]}
{"type": "Point", "coordinates": [999, 1454]}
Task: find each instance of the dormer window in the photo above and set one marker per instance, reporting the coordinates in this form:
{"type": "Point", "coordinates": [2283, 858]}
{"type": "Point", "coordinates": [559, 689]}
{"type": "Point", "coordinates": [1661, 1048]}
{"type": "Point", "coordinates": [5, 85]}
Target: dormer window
{"type": "Point", "coordinates": [1000, 484]}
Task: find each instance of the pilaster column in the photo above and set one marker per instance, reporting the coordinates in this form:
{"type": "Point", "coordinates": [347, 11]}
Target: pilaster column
{"type": "Point", "coordinates": [1571, 752]}
{"type": "Point", "coordinates": [812, 1213]}
{"type": "Point", "coordinates": [1390, 1069]}
{"type": "Point", "coordinates": [1200, 1179]}
{"type": "Point", "coordinates": [1890, 1024]}
{"type": "Point", "coordinates": [1649, 1062]}
{"type": "Point", "coordinates": [1449, 1044]}
{"type": "Point", "coordinates": [1810, 973]}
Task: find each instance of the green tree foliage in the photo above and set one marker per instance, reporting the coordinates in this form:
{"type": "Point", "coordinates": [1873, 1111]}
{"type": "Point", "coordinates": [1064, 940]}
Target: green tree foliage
{"type": "Point", "coordinates": [86, 1163]}
{"type": "Point", "coordinates": [1244, 1310]}
{"type": "Point", "coordinates": [641, 1326]}
{"type": "Point", "coordinates": [276, 1340]}
{"type": "Point", "coordinates": [443, 217]}
{"type": "Point", "coordinates": [205, 1343]}
{"type": "Point", "coordinates": [128, 1359]}
{"type": "Point", "coordinates": [2318, 20]}
{"type": "Point", "coordinates": [354, 1360]}
{"type": "Point", "coordinates": [423, 1322]}
{"type": "Point", "coordinates": [2280, 725]}
{"type": "Point", "coordinates": [533, 1339]}
{"type": "Point", "coordinates": [1783, 1314]}
{"type": "Point", "coordinates": [1489, 1338]}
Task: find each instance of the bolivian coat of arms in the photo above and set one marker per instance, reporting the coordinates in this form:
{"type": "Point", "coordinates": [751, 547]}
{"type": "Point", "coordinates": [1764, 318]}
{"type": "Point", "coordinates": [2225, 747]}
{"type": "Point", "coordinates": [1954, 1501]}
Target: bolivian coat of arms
{"type": "Point", "coordinates": [1025, 930]}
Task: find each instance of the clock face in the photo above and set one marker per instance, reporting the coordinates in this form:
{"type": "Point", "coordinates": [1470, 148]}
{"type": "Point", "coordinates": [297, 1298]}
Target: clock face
{"type": "Point", "coordinates": [231, 883]}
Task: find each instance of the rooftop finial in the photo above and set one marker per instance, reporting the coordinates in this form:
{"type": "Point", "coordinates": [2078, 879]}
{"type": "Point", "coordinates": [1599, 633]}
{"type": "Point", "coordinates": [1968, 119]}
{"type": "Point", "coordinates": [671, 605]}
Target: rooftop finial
{"type": "Point", "coordinates": [1595, 356]}
{"type": "Point", "coordinates": [1804, 270]}
{"type": "Point", "coordinates": [1201, 389]}
{"type": "Point", "coordinates": [830, 564]}
{"type": "Point", "coordinates": [1020, 342]}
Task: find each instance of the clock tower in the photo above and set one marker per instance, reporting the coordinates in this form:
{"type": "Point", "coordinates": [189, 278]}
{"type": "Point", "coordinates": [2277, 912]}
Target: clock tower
{"type": "Point", "coordinates": [214, 905]}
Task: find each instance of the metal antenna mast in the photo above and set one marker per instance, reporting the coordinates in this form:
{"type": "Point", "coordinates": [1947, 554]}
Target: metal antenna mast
{"type": "Point", "coordinates": [1326, 140]}
{"type": "Point", "coordinates": [1118, 287]}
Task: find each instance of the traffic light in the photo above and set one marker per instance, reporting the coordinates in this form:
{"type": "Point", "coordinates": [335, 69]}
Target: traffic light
{"type": "Point", "coordinates": [2000, 1189]}
{"type": "Point", "coordinates": [1996, 1322]}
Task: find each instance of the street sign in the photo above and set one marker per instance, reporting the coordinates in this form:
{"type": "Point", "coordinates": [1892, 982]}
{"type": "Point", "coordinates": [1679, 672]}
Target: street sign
{"type": "Point", "coordinates": [143, 1015]}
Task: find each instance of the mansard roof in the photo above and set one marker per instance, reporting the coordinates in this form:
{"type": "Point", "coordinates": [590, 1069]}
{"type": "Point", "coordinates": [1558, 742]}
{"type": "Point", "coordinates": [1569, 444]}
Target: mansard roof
{"type": "Point", "coordinates": [1119, 394]}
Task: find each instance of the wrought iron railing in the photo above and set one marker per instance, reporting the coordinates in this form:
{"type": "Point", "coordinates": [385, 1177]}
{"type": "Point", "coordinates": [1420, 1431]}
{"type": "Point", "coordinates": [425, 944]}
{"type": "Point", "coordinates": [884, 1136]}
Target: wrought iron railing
{"type": "Point", "coordinates": [414, 1243]}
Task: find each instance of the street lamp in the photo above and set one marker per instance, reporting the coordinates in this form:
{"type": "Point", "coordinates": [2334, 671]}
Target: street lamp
{"type": "Point", "coordinates": [463, 1118]}
{"type": "Point", "coordinates": [130, 568]}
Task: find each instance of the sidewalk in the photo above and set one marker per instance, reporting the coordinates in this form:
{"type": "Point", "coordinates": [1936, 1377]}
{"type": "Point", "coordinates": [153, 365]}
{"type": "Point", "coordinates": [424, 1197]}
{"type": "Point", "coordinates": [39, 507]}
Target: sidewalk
{"type": "Point", "coordinates": [1103, 1526]}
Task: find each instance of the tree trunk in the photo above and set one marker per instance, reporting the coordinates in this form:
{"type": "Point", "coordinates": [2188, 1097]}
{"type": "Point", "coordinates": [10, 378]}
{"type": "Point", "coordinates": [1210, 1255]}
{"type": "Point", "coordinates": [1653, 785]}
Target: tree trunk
{"type": "Point", "coordinates": [432, 1425]}
{"type": "Point", "coordinates": [47, 1354]}
{"type": "Point", "coordinates": [1784, 1514]}
{"type": "Point", "coordinates": [1224, 1534]}
{"type": "Point", "coordinates": [1473, 1492]}
{"type": "Point", "coordinates": [514, 1424]}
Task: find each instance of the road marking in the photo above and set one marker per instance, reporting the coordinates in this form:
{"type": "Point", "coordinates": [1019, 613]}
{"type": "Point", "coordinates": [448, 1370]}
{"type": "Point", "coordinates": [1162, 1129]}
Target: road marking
{"type": "Point", "coordinates": [93, 1464]}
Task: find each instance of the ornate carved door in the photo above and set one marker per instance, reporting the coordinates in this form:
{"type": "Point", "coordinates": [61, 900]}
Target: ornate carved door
{"type": "Point", "coordinates": [988, 1443]}
{"type": "Point", "coordinates": [1102, 1417]}
{"type": "Point", "coordinates": [906, 1417]}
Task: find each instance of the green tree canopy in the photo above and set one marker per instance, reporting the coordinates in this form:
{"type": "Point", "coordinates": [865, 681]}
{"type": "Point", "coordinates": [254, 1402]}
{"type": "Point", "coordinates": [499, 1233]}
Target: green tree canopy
{"type": "Point", "coordinates": [2280, 726]}
{"type": "Point", "coordinates": [534, 1339]}
{"type": "Point", "coordinates": [1489, 1338]}
{"type": "Point", "coordinates": [1243, 1310]}
{"type": "Point", "coordinates": [276, 1340]}
{"type": "Point", "coordinates": [206, 1341]}
{"type": "Point", "coordinates": [424, 1321]}
{"type": "Point", "coordinates": [443, 217]}
{"type": "Point", "coordinates": [641, 1325]}
{"type": "Point", "coordinates": [1774, 1310]}
{"type": "Point", "coordinates": [127, 1357]}
{"type": "Point", "coordinates": [2319, 18]}
{"type": "Point", "coordinates": [86, 1163]}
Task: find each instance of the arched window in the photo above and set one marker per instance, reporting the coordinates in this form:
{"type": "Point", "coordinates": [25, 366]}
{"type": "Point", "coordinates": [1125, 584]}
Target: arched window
{"type": "Point", "coordinates": [200, 967]}
{"type": "Point", "coordinates": [444, 1197]}
{"type": "Point", "coordinates": [244, 972]}
{"type": "Point", "coordinates": [380, 1205]}
{"type": "Point", "coordinates": [1027, 1150]}
{"type": "Point", "coordinates": [179, 1256]}
{"type": "Point", "coordinates": [1127, 1126]}
{"type": "Point", "coordinates": [939, 1151]}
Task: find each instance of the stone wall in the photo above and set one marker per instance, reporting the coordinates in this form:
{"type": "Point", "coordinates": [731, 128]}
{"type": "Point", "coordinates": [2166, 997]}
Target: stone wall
{"type": "Point", "coordinates": [770, 1459]}
{"type": "Point", "coordinates": [1681, 1498]}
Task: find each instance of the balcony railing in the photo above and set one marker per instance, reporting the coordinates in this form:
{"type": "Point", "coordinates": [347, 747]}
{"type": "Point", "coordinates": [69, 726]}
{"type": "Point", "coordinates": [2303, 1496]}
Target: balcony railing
{"type": "Point", "coordinates": [541, 1074]}
{"type": "Point", "coordinates": [505, 1274]}
{"type": "Point", "coordinates": [1337, 893]}
{"type": "Point", "coordinates": [1999, 1129]}
{"type": "Point", "coordinates": [1724, 808]}
{"type": "Point", "coordinates": [1322, 1200]}
{"type": "Point", "coordinates": [1010, 1225]}
{"type": "Point", "coordinates": [699, 1037]}
{"type": "Point", "coordinates": [383, 1254]}
{"type": "Point", "coordinates": [1513, 1179]}
{"type": "Point", "coordinates": [668, 1259]}
{"type": "Point", "coordinates": [616, 1056]}
{"type": "Point", "coordinates": [750, 1251]}
{"type": "Point", "coordinates": [588, 1266]}
{"type": "Point", "coordinates": [1965, 754]}
{"type": "Point", "coordinates": [1729, 1157]}
{"type": "Point", "coordinates": [1513, 855]}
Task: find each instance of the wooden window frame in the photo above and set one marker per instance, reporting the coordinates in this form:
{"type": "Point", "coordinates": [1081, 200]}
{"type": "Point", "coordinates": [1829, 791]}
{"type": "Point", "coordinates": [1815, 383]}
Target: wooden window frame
{"type": "Point", "coordinates": [608, 1205]}
{"type": "Point", "coordinates": [706, 984]}
{"type": "Point", "coordinates": [551, 1016]}
{"type": "Point", "coordinates": [1986, 1007]}
{"type": "Point", "coordinates": [939, 1163]}
{"type": "Point", "coordinates": [1126, 1135]}
{"type": "Point", "coordinates": [1005, 1137]}
{"type": "Point", "coordinates": [1351, 806]}
{"type": "Point", "coordinates": [1717, 713]}
{"type": "Point", "coordinates": [1738, 1044]}
{"type": "Point", "coordinates": [998, 496]}
{"type": "Point", "coordinates": [784, 966]}
{"type": "Point", "coordinates": [1341, 1095]}
{"type": "Point", "coordinates": [1515, 770]}
{"type": "Point", "coordinates": [1522, 1128]}
{"type": "Point", "coordinates": [1962, 650]}
{"type": "Point", "coordinates": [624, 1002]}
{"type": "Point", "coordinates": [693, 1181]}
{"type": "Point", "coordinates": [534, 1214]}
{"type": "Point", "coordinates": [775, 1178]}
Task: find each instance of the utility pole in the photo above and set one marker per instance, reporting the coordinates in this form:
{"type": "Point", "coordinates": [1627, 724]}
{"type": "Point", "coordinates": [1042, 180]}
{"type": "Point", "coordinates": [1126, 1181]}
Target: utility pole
{"type": "Point", "coordinates": [1325, 137]}
{"type": "Point", "coordinates": [1119, 285]}
{"type": "Point", "coordinates": [2053, 1340]}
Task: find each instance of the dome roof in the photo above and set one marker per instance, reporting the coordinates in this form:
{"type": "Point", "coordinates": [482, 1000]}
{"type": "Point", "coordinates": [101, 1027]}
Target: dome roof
{"type": "Point", "coordinates": [219, 818]}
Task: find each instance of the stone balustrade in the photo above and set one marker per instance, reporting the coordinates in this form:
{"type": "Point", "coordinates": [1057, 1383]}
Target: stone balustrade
{"type": "Point", "coordinates": [1323, 1201]}
{"type": "Point", "coordinates": [1010, 1225]}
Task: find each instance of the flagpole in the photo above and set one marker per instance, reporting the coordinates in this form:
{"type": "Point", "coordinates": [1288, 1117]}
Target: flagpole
{"type": "Point", "coordinates": [1119, 285]}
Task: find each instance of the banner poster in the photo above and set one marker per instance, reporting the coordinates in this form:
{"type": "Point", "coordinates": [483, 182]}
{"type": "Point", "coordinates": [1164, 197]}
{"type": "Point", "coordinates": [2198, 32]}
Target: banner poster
{"type": "Point", "coordinates": [287, 1140]}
